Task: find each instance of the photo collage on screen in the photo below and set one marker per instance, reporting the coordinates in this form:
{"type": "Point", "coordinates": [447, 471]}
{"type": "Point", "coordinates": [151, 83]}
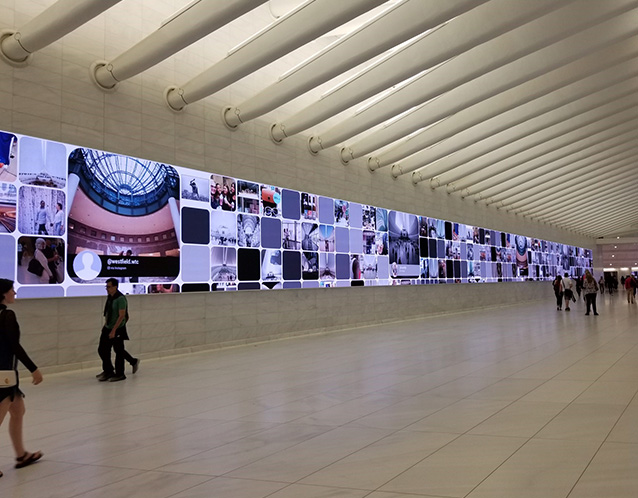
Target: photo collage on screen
{"type": "Point", "coordinates": [72, 217]}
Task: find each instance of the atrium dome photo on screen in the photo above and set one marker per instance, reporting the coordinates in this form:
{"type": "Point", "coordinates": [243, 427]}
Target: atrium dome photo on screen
{"type": "Point", "coordinates": [123, 218]}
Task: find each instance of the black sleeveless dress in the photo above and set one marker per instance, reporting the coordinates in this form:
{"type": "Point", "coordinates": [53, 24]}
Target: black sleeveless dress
{"type": "Point", "coordinates": [11, 351]}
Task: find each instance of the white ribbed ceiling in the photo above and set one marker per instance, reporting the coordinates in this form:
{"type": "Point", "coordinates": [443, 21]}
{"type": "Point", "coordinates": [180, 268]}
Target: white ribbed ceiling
{"type": "Point", "coordinates": [526, 106]}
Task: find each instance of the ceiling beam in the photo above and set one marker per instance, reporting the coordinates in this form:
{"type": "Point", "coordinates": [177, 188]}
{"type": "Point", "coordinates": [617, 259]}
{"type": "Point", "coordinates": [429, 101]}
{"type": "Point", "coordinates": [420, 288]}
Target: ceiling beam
{"type": "Point", "coordinates": [280, 38]}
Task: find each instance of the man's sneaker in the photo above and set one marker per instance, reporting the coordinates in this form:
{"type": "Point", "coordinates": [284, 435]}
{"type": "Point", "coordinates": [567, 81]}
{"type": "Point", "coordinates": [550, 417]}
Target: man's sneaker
{"type": "Point", "coordinates": [136, 365]}
{"type": "Point", "coordinates": [103, 377]}
{"type": "Point", "coordinates": [117, 378]}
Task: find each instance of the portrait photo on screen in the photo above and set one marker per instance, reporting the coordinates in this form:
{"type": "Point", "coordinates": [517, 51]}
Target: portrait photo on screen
{"type": "Point", "coordinates": [223, 228]}
{"type": "Point", "coordinates": [355, 266]}
{"type": "Point", "coordinates": [41, 211]}
{"type": "Point", "coordinates": [326, 238]}
{"type": "Point", "coordinates": [8, 203]}
{"type": "Point", "coordinates": [271, 265]}
{"type": "Point", "coordinates": [248, 231]}
{"type": "Point", "coordinates": [223, 264]}
{"type": "Point", "coordinates": [247, 197]}
{"type": "Point", "coordinates": [8, 157]}
{"type": "Point", "coordinates": [521, 254]}
{"type": "Point", "coordinates": [309, 206]}
{"type": "Point", "coordinates": [310, 236]}
{"type": "Point", "coordinates": [381, 242]}
{"type": "Point", "coordinates": [195, 188]}
{"type": "Point", "coordinates": [42, 163]}
{"type": "Point", "coordinates": [425, 268]}
{"type": "Point", "coordinates": [222, 193]}
{"type": "Point", "coordinates": [123, 218]}
{"type": "Point", "coordinates": [369, 242]}
{"type": "Point", "coordinates": [291, 234]}
{"type": "Point", "coordinates": [423, 226]}
{"type": "Point", "coordinates": [404, 244]}
{"type": "Point", "coordinates": [369, 217]}
{"type": "Point", "coordinates": [41, 260]}
{"type": "Point", "coordinates": [270, 201]}
{"type": "Point", "coordinates": [310, 265]}
{"type": "Point", "coordinates": [342, 213]}
{"type": "Point", "coordinates": [327, 266]}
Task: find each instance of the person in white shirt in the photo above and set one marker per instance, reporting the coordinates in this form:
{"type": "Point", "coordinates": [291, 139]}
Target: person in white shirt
{"type": "Point", "coordinates": [568, 286]}
{"type": "Point", "coordinates": [58, 220]}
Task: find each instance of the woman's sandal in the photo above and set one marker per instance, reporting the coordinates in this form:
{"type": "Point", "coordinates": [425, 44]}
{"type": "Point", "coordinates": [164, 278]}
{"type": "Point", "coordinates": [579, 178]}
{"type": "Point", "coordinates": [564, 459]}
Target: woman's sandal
{"type": "Point", "coordinates": [27, 459]}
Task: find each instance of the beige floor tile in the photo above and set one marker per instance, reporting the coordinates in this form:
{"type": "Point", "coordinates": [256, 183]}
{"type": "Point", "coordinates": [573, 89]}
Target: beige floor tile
{"type": "Point", "coordinates": [404, 413]}
{"type": "Point", "coordinates": [583, 422]}
{"type": "Point", "coordinates": [301, 460]}
{"type": "Point", "coordinates": [459, 417]}
{"type": "Point", "coordinates": [625, 429]}
{"type": "Point", "coordinates": [612, 472]}
{"type": "Point", "coordinates": [540, 469]}
{"type": "Point", "coordinates": [222, 487]}
{"type": "Point", "coordinates": [558, 391]}
{"type": "Point", "coordinates": [508, 389]}
{"type": "Point", "coordinates": [457, 468]}
{"type": "Point", "coordinates": [609, 393]}
{"type": "Point", "coordinates": [373, 466]}
{"type": "Point", "coordinates": [520, 419]}
{"type": "Point", "coordinates": [305, 491]}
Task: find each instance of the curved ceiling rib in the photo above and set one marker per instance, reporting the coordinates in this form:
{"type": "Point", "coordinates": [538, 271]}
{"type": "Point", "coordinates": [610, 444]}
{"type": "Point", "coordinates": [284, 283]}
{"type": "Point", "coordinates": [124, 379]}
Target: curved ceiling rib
{"type": "Point", "coordinates": [543, 142]}
{"type": "Point", "coordinates": [571, 205]}
{"type": "Point", "coordinates": [280, 38]}
{"type": "Point", "coordinates": [602, 154]}
{"type": "Point", "coordinates": [535, 189]}
{"type": "Point", "coordinates": [621, 222]}
{"type": "Point", "coordinates": [585, 204]}
{"type": "Point", "coordinates": [466, 68]}
{"type": "Point", "coordinates": [477, 183]}
{"type": "Point", "coordinates": [187, 26]}
{"type": "Point", "coordinates": [471, 132]}
{"type": "Point", "coordinates": [58, 20]}
{"type": "Point", "coordinates": [519, 43]}
{"type": "Point", "coordinates": [580, 129]}
{"type": "Point", "coordinates": [574, 184]}
{"type": "Point", "coordinates": [488, 20]}
{"type": "Point", "coordinates": [446, 170]}
{"type": "Point", "coordinates": [373, 38]}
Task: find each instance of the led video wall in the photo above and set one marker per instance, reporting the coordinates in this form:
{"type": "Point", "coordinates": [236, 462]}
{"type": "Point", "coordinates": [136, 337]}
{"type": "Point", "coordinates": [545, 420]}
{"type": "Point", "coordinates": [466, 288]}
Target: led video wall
{"type": "Point", "coordinates": [71, 217]}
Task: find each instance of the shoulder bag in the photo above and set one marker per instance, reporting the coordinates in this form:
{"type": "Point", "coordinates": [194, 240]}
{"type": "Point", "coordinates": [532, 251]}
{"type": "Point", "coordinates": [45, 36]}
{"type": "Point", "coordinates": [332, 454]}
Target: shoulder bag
{"type": "Point", "coordinates": [8, 378]}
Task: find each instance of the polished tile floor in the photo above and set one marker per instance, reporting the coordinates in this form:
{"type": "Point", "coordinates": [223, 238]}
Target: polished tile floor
{"type": "Point", "coordinates": [512, 402]}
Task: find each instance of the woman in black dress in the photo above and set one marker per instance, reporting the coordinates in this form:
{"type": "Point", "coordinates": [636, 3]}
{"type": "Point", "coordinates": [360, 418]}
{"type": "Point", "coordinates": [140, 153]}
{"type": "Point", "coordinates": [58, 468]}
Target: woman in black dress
{"type": "Point", "coordinates": [11, 398]}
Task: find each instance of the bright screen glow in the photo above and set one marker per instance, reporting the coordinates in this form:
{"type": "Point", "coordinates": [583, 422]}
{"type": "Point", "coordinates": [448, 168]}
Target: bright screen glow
{"type": "Point", "coordinates": [72, 217]}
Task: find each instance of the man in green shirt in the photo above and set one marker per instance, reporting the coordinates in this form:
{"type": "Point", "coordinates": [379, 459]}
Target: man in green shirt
{"type": "Point", "coordinates": [114, 334]}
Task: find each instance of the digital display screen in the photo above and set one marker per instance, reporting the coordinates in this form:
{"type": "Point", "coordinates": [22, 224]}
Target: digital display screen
{"type": "Point", "coordinates": [72, 217]}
